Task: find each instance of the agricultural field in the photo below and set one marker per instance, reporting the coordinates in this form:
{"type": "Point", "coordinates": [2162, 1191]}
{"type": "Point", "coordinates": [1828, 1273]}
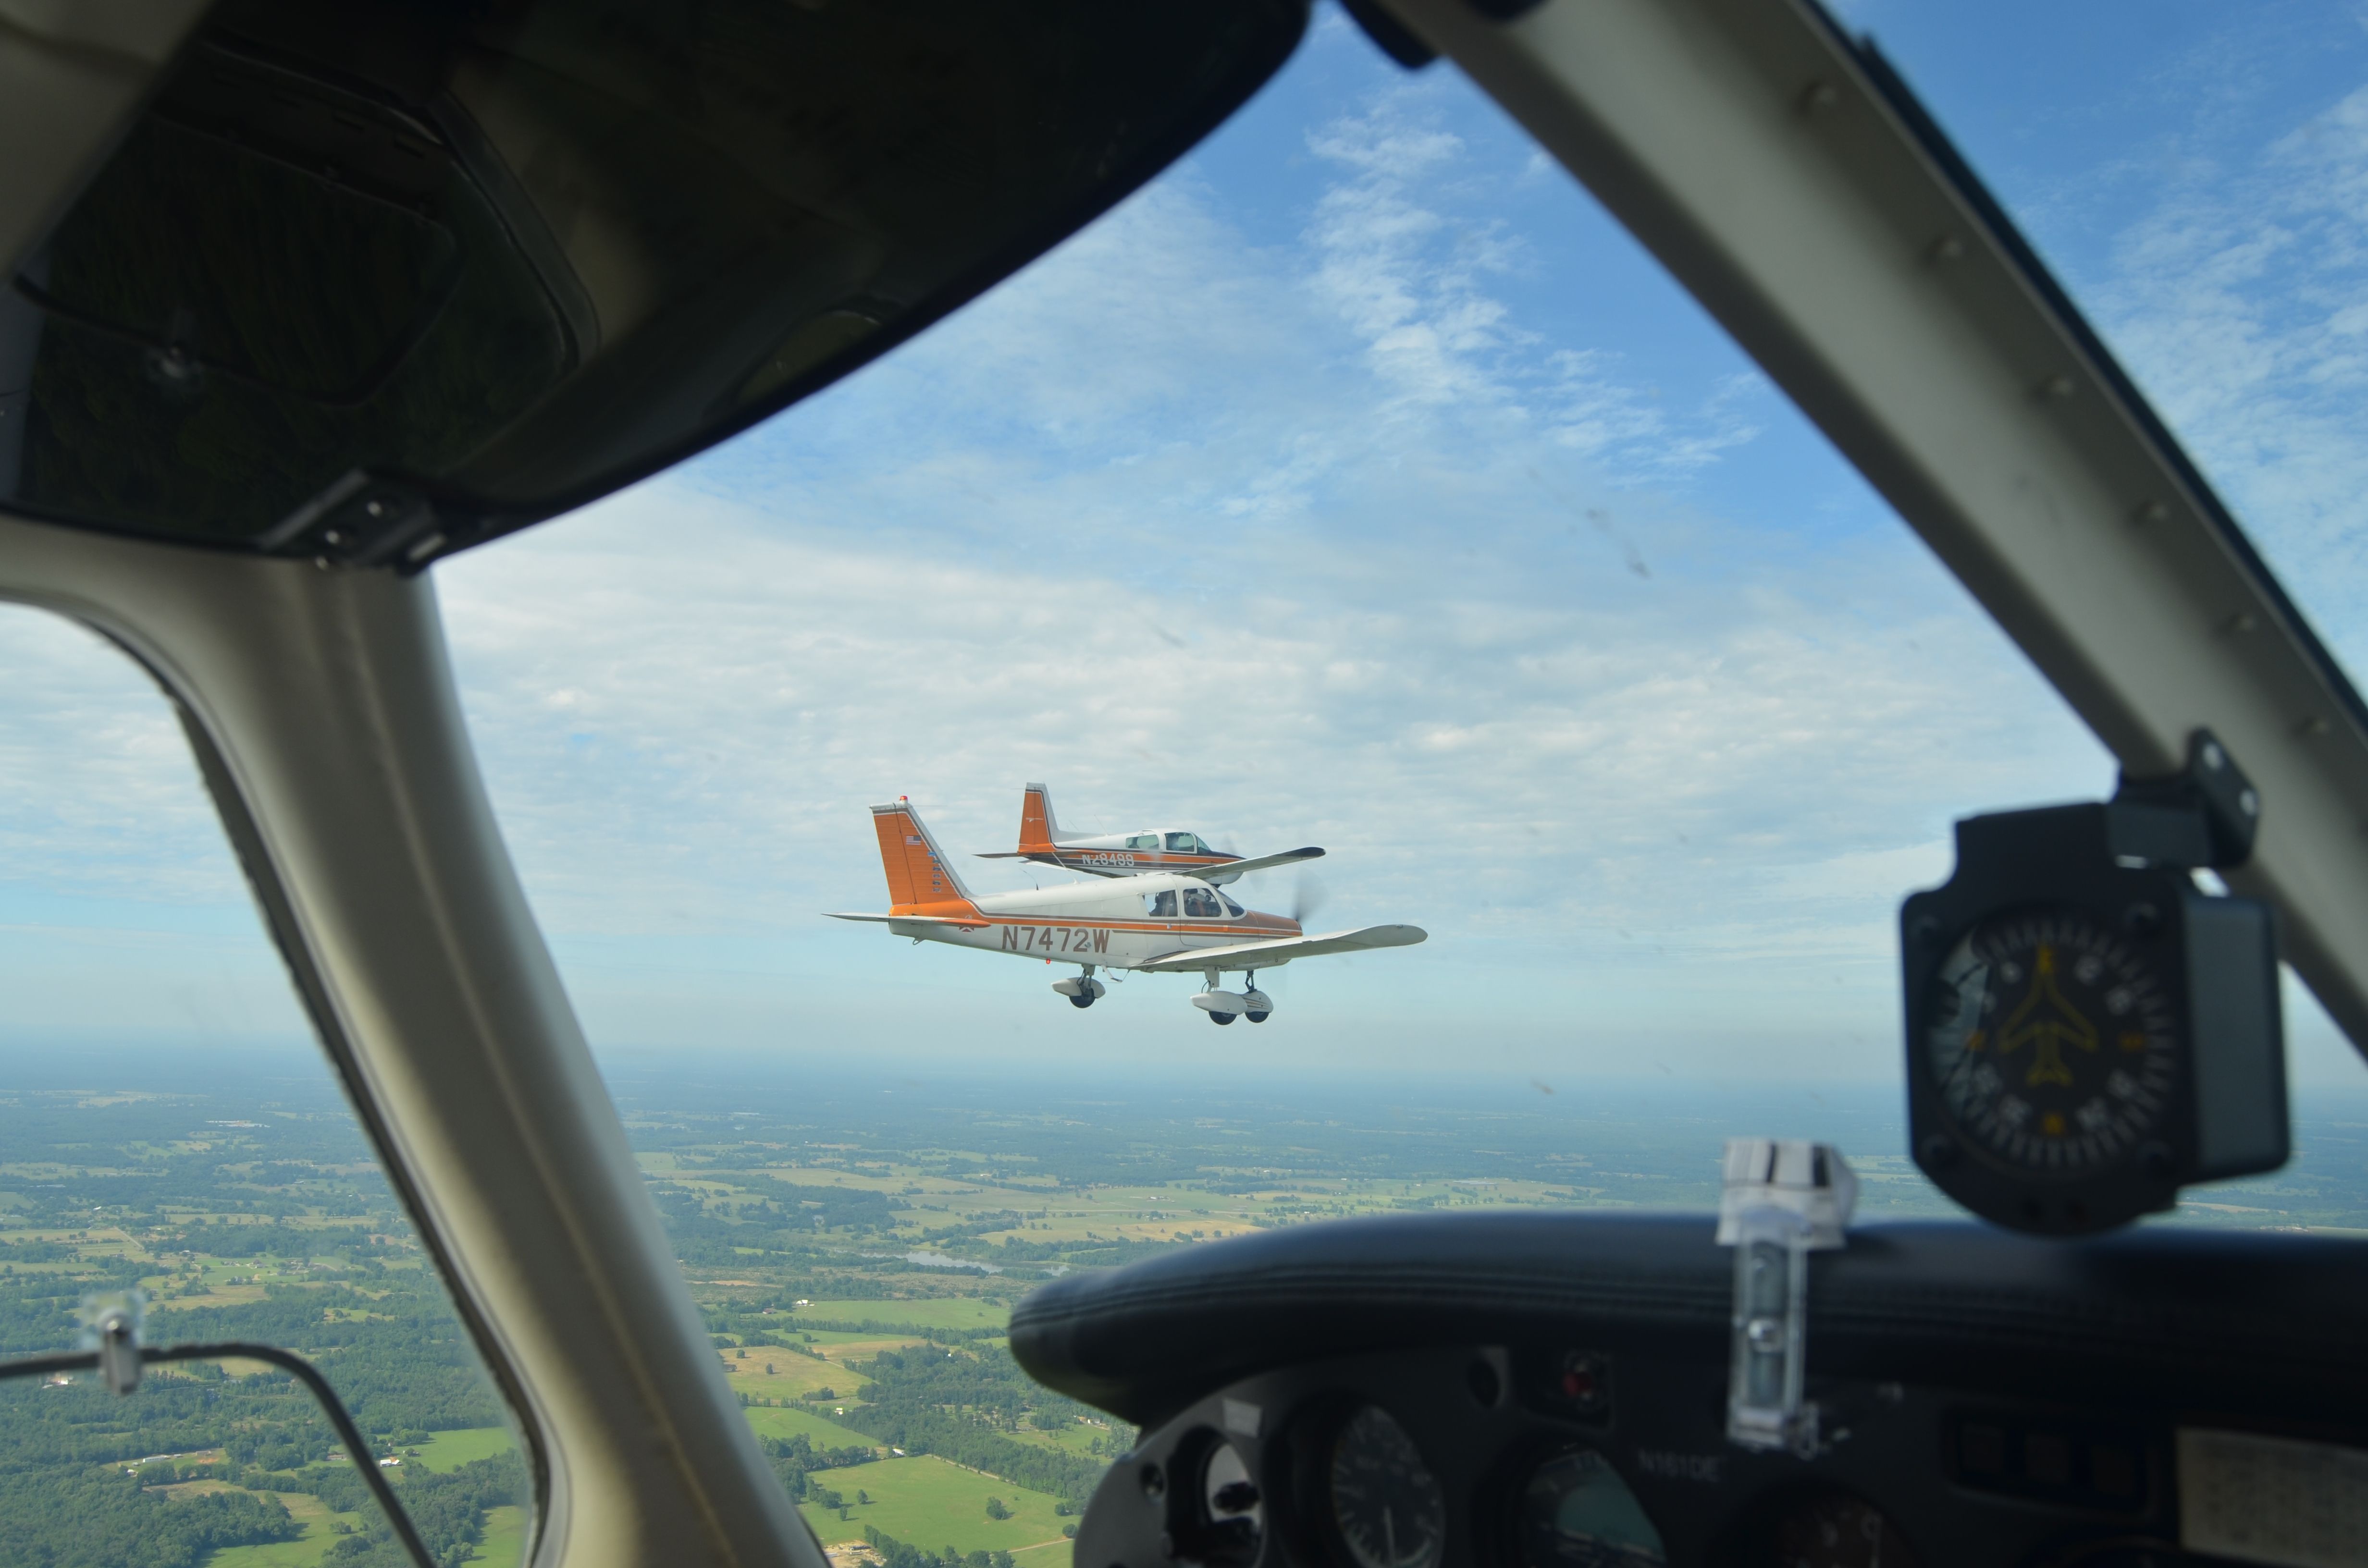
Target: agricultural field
{"type": "Point", "coordinates": [934, 1503]}
{"type": "Point", "coordinates": [505, 1538]}
{"type": "Point", "coordinates": [817, 1428]}
{"type": "Point", "coordinates": [319, 1522]}
{"type": "Point", "coordinates": [1083, 1436]}
{"type": "Point", "coordinates": [450, 1450]}
{"type": "Point", "coordinates": [945, 1312]}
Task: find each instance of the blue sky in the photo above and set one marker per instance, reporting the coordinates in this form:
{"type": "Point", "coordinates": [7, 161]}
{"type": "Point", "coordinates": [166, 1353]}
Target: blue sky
{"type": "Point", "coordinates": [1357, 483]}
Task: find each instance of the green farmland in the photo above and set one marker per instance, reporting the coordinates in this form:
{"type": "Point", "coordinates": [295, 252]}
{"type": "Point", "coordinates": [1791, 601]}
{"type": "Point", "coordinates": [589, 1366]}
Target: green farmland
{"type": "Point", "coordinates": [943, 1312]}
{"type": "Point", "coordinates": [932, 1503]}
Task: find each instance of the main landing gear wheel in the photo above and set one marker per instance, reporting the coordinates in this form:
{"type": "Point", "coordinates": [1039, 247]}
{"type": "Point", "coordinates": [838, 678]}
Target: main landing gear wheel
{"type": "Point", "coordinates": [1221, 1018]}
{"type": "Point", "coordinates": [1082, 999]}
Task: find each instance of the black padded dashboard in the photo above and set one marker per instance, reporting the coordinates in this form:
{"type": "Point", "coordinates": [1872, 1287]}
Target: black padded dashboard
{"type": "Point", "coordinates": [1985, 1398]}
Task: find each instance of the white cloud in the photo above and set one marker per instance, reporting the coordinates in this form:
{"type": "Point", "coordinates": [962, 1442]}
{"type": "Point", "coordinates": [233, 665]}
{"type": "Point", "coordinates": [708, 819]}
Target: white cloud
{"type": "Point", "coordinates": [101, 799]}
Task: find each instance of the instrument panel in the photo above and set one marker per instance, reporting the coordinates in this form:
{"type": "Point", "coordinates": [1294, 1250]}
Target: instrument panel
{"type": "Point", "coordinates": [1565, 1457]}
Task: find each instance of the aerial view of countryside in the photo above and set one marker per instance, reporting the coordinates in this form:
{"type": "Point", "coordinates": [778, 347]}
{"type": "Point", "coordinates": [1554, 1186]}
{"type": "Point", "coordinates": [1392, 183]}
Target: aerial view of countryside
{"type": "Point", "coordinates": [854, 1244]}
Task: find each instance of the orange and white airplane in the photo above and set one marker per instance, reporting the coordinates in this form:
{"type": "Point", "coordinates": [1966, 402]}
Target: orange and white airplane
{"type": "Point", "coordinates": [1158, 922]}
{"type": "Point", "coordinates": [1126, 854]}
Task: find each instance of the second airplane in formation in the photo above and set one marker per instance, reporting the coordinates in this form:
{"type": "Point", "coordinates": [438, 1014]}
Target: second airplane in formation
{"type": "Point", "coordinates": [1163, 913]}
{"type": "Point", "coordinates": [1126, 854]}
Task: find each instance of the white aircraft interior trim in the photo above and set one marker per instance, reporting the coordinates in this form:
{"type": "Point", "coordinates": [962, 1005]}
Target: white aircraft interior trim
{"type": "Point", "coordinates": [1745, 143]}
{"type": "Point", "coordinates": [327, 715]}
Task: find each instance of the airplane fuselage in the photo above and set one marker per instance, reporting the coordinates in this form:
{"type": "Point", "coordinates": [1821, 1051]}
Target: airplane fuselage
{"type": "Point", "coordinates": [1132, 854]}
{"type": "Point", "coordinates": [1123, 926]}
{"type": "Point", "coordinates": [1131, 917]}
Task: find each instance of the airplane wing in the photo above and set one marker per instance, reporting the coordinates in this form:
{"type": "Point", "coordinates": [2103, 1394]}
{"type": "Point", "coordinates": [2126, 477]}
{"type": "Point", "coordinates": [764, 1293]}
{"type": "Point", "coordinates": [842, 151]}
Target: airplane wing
{"type": "Point", "coordinates": [909, 920]}
{"type": "Point", "coordinates": [1229, 869]}
{"type": "Point", "coordinates": [1256, 863]}
{"type": "Point", "coordinates": [1284, 948]}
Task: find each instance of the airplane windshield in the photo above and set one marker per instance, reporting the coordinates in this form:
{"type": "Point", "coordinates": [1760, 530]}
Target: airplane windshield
{"type": "Point", "coordinates": [2212, 232]}
{"type": "Point", "coordinates": [1569, 640]}
{"type": "Point", "coordinates": [1623, 712]}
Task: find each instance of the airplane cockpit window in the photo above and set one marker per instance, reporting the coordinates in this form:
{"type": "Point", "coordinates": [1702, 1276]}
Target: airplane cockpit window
{"type": "Point", "coordinates": [174, 1143]}
{"type": "Point", "coordinates": [1659, 1083]}
{"type": "Point", "coordinates": [1567, 637]}
{"type": "Point", "coordinates": [2159, 219]}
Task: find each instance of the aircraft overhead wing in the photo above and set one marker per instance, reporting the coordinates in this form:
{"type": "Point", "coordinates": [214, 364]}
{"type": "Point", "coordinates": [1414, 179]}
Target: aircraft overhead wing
{"type": "Point", "coordinates": [1255, 863]}
{"type": "Point", "coordinates": [909, 920]}
{"type": "Point", "coordinates": [1077, 860]}
{"type": "Point", "coordinates": [1284, 948]}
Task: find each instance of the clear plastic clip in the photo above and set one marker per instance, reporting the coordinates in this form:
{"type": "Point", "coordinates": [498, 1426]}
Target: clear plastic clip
{"type": "Point", "coordinates": [110, 1326]}
{"type": "Point", "coordinates": [1784, 1198]}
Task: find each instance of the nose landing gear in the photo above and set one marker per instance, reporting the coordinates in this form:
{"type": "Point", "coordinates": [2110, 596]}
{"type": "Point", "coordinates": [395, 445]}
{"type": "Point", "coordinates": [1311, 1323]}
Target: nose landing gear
{"type": "Point", "coordinates": [1083, 990]}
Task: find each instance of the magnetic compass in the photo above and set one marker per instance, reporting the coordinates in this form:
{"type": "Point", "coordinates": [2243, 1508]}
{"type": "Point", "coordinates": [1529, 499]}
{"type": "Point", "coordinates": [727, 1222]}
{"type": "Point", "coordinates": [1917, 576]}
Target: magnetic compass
{"type": "Point", "coordinates": [2054, 1042]}
{"type": "Point", "coordinates": [2087, 1030]}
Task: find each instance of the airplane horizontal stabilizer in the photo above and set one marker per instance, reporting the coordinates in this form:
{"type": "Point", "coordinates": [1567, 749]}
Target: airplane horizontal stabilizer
{"type": "Point", "coordinates": [1246, 955]}
{"type": "Point", "coordinates": [1256, 863]}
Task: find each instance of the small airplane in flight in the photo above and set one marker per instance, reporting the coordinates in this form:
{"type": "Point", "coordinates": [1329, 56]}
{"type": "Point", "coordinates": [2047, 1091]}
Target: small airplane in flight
{"type": "Point", "coordinates": [1125, 854]}
{"type": "Point", "coordinates": [1156, 922]}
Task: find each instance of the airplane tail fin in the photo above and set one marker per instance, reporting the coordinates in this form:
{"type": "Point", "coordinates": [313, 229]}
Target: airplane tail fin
{"type": "Point", "coordinates": [918, 874]}
{"type": "Point", "coordinates": [1038, 830]}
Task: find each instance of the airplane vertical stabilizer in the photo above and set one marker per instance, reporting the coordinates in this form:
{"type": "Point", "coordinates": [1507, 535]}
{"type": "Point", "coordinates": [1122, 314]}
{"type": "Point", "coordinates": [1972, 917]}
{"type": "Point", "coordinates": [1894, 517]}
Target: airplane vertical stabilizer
{"type": "Point", "coordinates": [918, 874]}
{"type": "Point", "coordinates": [1038, 830]}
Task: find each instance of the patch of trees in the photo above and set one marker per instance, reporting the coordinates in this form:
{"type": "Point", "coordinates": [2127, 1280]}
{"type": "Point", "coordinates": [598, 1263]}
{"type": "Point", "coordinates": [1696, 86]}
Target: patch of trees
{"type": "Point", "coordinates": [895, 1553]}
{"type": "Point", "coordinates": [278, 1240]}
{"type": "Point", "coordinates": [277, 1172]}
{"type": "Point", "coordinates": [32, 1250]}
{"type": "Point", "coordinates": [958, 1407]}
{"type": "Point", "coordinates": [81, 1517]}
{"type": "Point", "coordinates": [1111, 1254]}
{"type": "Point", "coordinates": [778, 1217]}
{"type": "Point", "coordinates": [859, 1209]}
{"type": "Point", "coordinates": [978, 1225]}
{"type": "Point", "coordinates": [82, 1425]}
{"type": "Point", "coordinates": [796, 1460]}
{"type": "Point", "coordinates": [449, 1510]}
